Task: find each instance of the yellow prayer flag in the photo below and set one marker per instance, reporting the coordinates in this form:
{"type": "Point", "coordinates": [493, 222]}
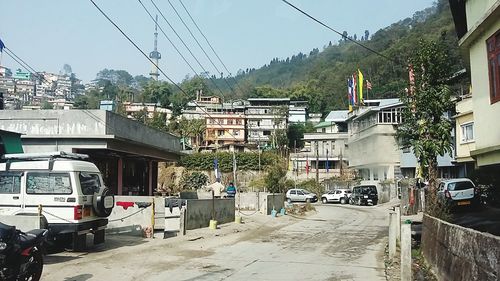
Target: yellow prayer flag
{"type": "Point", "coordinates": [360, 86]}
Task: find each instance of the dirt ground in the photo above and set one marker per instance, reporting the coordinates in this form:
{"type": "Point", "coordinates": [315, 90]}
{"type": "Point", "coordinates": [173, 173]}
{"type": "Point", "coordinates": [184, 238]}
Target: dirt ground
{"type": "Point", "coordinates": [335, 242]}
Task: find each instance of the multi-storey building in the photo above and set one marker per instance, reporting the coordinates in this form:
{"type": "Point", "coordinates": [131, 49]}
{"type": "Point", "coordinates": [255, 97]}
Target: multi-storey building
{"type": "Point", "coordinates": [264, 117]}
{"type": "Point", "coordinates": [133, 108]}
{"type": "Point", "coordinates": [324, 151]}
{"type": "Point", "coordinates": [226, 127]}
{"type": "Point", "coordinates": [297, 112]}
{"type": "Point", "coordinates": [477, 23]}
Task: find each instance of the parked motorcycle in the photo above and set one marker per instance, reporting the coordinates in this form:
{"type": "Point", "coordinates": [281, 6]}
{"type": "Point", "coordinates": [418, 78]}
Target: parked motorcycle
{"type": "Point", "coordinates": [21, 253]}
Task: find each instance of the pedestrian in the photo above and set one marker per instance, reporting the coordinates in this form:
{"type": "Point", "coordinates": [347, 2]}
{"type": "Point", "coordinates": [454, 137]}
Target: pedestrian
{"type": "Point", "coordinates": [231, 190]}
{"type": "Point", "coordinates": [217, 188]}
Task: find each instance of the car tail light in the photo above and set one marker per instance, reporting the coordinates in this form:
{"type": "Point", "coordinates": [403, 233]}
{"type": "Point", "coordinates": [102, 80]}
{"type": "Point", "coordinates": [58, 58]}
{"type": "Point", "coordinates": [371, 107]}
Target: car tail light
{"type": "Point", "coordinates": [77, 212]}
{"type": "Point", "coordinates": [447, 194]}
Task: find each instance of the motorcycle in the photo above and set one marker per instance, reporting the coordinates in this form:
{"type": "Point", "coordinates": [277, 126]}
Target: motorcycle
{"type": "Point", "coordinates": [21, 253]}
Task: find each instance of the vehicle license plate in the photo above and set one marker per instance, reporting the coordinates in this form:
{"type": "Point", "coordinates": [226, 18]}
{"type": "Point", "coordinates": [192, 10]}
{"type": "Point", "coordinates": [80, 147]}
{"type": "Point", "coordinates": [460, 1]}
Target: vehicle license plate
{"type": "Point", "coordinates": [463, 203]}
{"type": "Point", "coordinates": [366, 196]}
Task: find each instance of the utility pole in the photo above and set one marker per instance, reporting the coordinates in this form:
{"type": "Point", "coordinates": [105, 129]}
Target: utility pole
{"type": "Point", "coordinates": [234, 167]}
{"type": "Point", "coordinates": [317, 161]}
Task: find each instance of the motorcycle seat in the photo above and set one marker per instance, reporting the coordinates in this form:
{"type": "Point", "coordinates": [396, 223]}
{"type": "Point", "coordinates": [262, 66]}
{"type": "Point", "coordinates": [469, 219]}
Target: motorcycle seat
{"type": "Point", "coordinates": [32, 237]}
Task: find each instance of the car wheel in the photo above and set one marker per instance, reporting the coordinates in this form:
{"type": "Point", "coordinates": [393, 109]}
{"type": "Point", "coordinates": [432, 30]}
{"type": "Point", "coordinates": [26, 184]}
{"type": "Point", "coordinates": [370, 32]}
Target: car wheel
{"type": "Point", "coordinates": [308, 200]}
{"type": "Point", "coordinates": [324, 200]}
{"type": "Point", "coordinates": [342, 201]}
{"type": "Point", "coordinates": [289, 200]}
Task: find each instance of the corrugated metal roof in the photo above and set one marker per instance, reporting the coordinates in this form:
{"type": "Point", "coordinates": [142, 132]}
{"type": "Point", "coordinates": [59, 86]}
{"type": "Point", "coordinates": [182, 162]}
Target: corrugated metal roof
{"type": "Point", "coordinates": [337, 116]}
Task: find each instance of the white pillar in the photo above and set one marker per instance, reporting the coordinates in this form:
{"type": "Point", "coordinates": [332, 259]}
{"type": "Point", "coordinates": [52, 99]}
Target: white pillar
{"type": "Point", "coordinates": [392, 234]}
{"type": "Point", "coordinates": [406, 252]}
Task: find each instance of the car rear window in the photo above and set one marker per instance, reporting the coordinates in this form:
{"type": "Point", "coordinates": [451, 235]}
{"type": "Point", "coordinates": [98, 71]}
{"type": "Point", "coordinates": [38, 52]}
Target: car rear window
{"type": "Point", "coordinates": [10, 183]}
{"type": "Point", "coordinates": [461, 185]}
{"type": "Point", "coordinates": [48, 183]}
{"type": "Point", "coordinates": [90, 183]}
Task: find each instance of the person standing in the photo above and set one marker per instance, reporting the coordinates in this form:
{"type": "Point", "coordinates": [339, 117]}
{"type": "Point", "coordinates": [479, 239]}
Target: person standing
{"type": "Point", "coordinates": [231, 190]}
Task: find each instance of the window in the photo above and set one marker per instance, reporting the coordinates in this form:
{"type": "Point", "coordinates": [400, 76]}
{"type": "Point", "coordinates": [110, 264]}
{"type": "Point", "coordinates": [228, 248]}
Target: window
{"type": "Point", "coordinates": [375, 174]}
{"type": "Point", "coordinates": [10, 183]}
{"type": "Point", "coordinates": [90, 183]}
{"type": "Point", "coordinates": [493, 48]}
{"type": "Point", "coordinates": [220, 132]}
{"type": "Point", "coordinates": [230, 121]}
{"type": "Point", "coordinates": [293, 192]}
{"type": "Point", "coordinates": [467, 132]}
{"type": "Point", "coordinates": [236, 132]}
{"type": "Point", "coordinates": [48, 183]}
{"type": "Point", "coordinates": [267, 133]}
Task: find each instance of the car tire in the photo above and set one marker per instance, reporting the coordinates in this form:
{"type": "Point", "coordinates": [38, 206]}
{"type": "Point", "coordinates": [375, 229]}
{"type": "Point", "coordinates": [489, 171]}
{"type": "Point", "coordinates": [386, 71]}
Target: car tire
{"type": "Point", "coordinates": [324, 200]}
{"type": "Point", "coordinates": [342, 201]}
{"type": "Point", "coordinates": [289, 200]}
{"type": "Point", "coordinates": [98, 204]}
{"type": "Point", "coordinates": [308, 200]}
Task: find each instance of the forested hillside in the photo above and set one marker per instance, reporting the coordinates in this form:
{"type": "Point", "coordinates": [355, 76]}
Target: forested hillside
{"type": "Point", "coordinates": [320, 76]}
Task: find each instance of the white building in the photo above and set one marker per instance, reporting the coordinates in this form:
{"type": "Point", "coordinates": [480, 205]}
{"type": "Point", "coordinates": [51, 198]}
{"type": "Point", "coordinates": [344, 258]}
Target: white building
{"type": "Point", "coordinates": [264, 117]}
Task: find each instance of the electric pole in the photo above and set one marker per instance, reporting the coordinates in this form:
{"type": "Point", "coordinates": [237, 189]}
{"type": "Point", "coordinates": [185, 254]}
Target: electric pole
{"type": "Point", "coordinates": [317, 161]}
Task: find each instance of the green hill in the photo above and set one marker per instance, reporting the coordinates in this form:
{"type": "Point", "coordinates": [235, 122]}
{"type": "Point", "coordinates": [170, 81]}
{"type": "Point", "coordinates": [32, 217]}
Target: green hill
{"type": "Point", "coordinates": [320, 76]}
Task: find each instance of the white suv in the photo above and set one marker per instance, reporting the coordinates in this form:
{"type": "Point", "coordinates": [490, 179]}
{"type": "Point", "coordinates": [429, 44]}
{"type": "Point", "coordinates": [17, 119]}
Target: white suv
{"type": "Point", "coordinates": [301, 195]}
{"type": "Point", "coordinates": [69, 193]}
{"type": "Point", "coordinates": [338, 195]}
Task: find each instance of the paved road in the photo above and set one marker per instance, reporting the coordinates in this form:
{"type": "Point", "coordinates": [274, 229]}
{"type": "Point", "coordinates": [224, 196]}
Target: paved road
{"type": "Point", "coordinates": [336, 243]}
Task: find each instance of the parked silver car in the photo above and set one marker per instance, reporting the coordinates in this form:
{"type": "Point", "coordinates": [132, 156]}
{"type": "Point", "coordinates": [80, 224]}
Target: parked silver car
{"type": "Point", "coordinates": [300, 195]}
{"type": "Point", "coordinates": [458, 192]}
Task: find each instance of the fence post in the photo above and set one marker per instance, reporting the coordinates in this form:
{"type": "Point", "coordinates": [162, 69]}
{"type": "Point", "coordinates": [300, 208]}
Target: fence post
{"type": "Point", "coordinates": [398, 223]}
{"type": "Point", "coordinates": [392, 234]}
{"type": "Point", "coordinates": [182, 222]}
{"type": "Point", "coordinates": [406, 252]}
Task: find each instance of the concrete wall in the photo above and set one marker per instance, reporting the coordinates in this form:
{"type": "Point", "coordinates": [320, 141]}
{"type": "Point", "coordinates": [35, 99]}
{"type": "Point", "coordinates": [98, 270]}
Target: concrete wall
{"type": "Point", "coordinates": [199, 212]}
{"type": "Point", "coordinates": [458, 253]}
{"type": "Point", "coordinates": [276, 200]}
{"type": "Point", "coordinates": [119, 222]}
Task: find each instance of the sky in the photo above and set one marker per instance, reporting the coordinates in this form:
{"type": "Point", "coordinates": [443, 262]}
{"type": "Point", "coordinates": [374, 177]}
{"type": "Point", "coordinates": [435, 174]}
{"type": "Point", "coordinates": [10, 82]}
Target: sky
{"type": "Point", "coordinates": [245, 34]}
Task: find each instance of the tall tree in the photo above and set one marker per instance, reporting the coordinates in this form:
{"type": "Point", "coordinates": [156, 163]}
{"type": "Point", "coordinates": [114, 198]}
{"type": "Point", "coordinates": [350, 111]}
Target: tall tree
{"type": "Point", "coordinates": [426, 128]}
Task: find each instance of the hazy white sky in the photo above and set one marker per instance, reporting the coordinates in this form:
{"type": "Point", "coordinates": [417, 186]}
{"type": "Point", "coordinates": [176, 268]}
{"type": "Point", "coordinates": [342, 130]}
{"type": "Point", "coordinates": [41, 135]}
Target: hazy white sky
{"type": "Point", "coordinates": [245, 34]}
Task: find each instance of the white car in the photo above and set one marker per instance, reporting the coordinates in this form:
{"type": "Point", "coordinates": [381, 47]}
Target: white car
{"type": "Point", "coordinates": [458, 192]}
{"type": "Point", "coordinates": [300, 195]}
{"type": "Point", "coordinates": [338, 195]}
{"type": "Point", "coordinates": [69, 193]}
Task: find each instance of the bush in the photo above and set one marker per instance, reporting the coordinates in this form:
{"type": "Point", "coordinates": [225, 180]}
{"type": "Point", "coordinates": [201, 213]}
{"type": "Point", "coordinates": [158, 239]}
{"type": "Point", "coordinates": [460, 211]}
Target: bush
{"type": "Point", "coordinates": [194, 180]}
{"type": "Point", "coordinates": [244, 160]}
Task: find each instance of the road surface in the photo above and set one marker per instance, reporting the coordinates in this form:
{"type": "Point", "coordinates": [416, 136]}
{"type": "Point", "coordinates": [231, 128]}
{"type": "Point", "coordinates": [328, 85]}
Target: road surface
{"type": "Point", "coordinates": [338, 242]}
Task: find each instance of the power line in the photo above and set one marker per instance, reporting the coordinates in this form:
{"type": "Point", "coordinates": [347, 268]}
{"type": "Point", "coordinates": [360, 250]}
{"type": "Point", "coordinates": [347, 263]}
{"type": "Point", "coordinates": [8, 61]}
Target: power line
{"type": "Point", "coordinates": [199, 45]}
{"type": "Point", "coordinates": [161, 70]}
{"type": "Point", "coordinates": [24, 64]}
{"type": "Point", "coordinates": [184, 43]}
{"type": "Point", "coordinates": [343, 36]}
{"type": "Point", "coordinates": [210, 45]}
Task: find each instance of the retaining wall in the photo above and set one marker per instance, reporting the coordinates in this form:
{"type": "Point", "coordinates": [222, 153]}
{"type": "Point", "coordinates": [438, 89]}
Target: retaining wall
{"type": "Point", "coordinates": [459, 253]}
{"type": "Point", "coordinates": [199, 212]}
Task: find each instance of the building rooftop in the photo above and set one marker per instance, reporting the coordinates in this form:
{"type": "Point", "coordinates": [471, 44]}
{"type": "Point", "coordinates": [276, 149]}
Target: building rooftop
{"type": "Point", "coordinates": [337, 116]}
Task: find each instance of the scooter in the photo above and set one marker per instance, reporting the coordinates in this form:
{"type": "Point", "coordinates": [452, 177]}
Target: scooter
{"type": "Point", "coordinates": [21, 253]}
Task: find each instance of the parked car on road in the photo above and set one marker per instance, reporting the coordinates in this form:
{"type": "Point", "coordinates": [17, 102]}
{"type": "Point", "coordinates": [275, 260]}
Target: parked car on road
{"type": "Point", "coordinates": [459, 192]}
{"type": "Point", "coordinates": [300, 195]}
{"type": "Point", "coordinates": [341, 196]}
{"type": "Point", "coordinates": [67, 191]}
{"type": "Point", "coordinates": [364, 195]}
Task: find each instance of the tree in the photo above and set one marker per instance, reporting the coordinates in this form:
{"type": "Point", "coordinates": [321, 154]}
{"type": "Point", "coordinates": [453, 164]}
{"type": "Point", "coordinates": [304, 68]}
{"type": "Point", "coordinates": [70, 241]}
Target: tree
{"type": "Point", "coordinates": [295, 134]}
{"type": "Point", "coordinates": [425, 127]}
{"type": "Point", "coordinates": [367, 34]}
{"type": "Point", "coordinates": [275, 179]}
{"type": "Point", "coordinates": [47, 105]}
